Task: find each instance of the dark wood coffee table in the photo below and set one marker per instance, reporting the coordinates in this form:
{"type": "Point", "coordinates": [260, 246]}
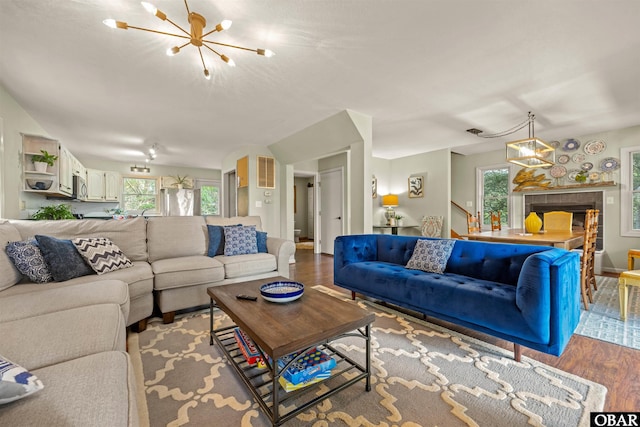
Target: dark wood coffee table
{"type": "Point", "coordinates": [314, 320]}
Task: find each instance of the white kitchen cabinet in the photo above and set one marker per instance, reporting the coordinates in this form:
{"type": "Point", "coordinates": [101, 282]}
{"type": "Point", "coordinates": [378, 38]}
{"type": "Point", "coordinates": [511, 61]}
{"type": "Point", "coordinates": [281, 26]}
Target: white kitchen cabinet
{"type": "Point", "coordinates": [103, 186]}
{"type": "Point", "coordinates": [111, 186]}
{"type": "Point", "coordinates": [65, 171]}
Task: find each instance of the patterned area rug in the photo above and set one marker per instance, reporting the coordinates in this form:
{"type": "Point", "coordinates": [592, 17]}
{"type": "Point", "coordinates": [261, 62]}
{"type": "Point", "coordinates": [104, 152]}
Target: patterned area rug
{"type": "Point", "coordinates": [602, 320]}
{"type": "Point", "coordinates": [304, 245]}
{"type": "Point", "coordinates": [422, 375]}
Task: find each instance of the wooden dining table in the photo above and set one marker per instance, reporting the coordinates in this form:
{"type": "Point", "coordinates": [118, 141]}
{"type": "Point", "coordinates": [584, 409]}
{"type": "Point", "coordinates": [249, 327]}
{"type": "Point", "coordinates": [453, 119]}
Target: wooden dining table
{"type": "Point", "coordinates": [558, 239]}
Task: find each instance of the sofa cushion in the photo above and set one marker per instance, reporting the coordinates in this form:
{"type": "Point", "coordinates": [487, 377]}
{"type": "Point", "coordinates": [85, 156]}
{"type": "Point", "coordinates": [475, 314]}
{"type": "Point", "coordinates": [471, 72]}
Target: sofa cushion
{"type": "Point", "coordinates": [176, 236]}
{"type": "Point", "coordinates": [28, 259]}
{"type": "Point", "coordinates": [102, 328]}
{"type": "Point", "coordinates": [247, 265]}
{"type": "Point", "coordinates": [240, 240]}
{"type": "Point", "coordinates": [129, 234]}
{"type": "Point", "coordinates": [16, 382]}
{"type": "Point", "coordinates": [10, 274]}
{"type": "Point", "coordinates": [62, 258]}
{"type": "Point", "coordinates": [216, 240]}
{"type": "Point", "coordinates": [98, 389]}
{"type": "Point", "coordinates": [101, 254]}
{"type": "Point", "coordinates": [431, 255]}
{"type": "Point", "coordinates": [186, 271]}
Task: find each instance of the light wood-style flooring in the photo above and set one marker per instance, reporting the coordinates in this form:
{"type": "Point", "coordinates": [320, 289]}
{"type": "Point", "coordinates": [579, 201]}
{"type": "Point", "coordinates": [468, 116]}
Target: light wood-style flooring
{"type": "Point", "coordinates": [614, 366]}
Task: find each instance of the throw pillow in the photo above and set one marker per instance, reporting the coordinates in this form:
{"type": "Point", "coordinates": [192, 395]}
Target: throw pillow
{"type": "Point", "coordinates": [101, 254]}
{"type": "Point", "coordinates": [16, 382]}
{"type": "Point", "coordinates": [28, 259]}
{"type": "Point", "coordinates": [216, 240]}
{"type": "Point", "coordinates": [261, 237]}
{"type": "Point", "coordinates": [240, 240]}
{"type": "Point", "coordinates": [62, 258]}
{"type": "Point", "coordinates": [431, 255]}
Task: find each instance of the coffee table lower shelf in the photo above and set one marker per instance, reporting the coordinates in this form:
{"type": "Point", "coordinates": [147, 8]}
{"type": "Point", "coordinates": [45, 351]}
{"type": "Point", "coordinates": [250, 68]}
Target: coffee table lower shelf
{"type": "Point", "coordinates": [263, 382]}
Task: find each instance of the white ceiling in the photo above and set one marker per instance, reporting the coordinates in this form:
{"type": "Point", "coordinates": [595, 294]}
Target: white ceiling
{"type": "Point", "coordinates": [425, 70]}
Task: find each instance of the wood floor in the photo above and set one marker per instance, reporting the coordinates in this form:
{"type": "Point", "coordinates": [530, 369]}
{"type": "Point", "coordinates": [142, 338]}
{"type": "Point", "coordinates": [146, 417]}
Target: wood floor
{"type": "Point", "coordinates": [614, 366]}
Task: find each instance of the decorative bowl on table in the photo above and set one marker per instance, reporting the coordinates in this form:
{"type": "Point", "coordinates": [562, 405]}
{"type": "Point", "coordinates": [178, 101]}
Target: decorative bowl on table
{"type": "Point", "coordinates": [282, 291]}
{"type": "Point", "coordinates": [39, 184]}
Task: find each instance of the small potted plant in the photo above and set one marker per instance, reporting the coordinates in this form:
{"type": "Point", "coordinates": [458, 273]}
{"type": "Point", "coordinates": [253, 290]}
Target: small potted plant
{"type": "Point", "coordinates": [399, 220]}
{"type": "Point", "coordinates": [54, 212]}
{"type": "Point", "coordinates": [181, 182]}
{"type": "Point", "coordinates": [581, 177]}
{"type": "Point", "coordinates": [41, 161]}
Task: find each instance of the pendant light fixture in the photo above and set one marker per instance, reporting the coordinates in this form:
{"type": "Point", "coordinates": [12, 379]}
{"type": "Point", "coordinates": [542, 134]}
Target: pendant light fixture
{"type": "Point", "coordinates": [195, 36]}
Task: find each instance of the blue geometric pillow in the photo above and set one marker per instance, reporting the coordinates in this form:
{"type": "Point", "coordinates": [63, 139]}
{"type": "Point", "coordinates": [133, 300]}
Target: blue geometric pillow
{"type": "Point", "coordinates": [261, 237]}
{"type": "Point", "coordinates": [28, 259]}
{"type": "Point", "coordinates": [240, 240]}
{"type": "Point", "coordinates": [16, 382]}
{"type": "Point", "coordinates": [62, 258]}
{"type": "Point", "coordinates": [431, 255]}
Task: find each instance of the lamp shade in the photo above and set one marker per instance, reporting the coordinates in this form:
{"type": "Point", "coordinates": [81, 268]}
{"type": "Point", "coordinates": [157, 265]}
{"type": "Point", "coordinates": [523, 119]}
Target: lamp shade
{"type": "Point", "coordinates": [390, 200]}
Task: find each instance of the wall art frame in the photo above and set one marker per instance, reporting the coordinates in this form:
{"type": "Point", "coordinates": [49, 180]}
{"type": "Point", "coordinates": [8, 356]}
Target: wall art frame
{"type": "Point", "coordinates": [416, 186]}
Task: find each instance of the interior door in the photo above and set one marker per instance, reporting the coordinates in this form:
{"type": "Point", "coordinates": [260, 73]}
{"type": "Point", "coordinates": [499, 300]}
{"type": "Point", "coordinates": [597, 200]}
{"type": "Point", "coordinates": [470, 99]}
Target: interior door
{"type": "Point", "coordinates": [230, 188]}
{"type": "Point", "coordinates": [331, 208]}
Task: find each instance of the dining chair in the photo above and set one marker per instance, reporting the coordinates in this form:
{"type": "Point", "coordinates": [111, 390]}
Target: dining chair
{"type": "Point", "coordinates": [557, 221]}
{"type": "Point", "coordinates": [473, 223]}
{"type": "Point", "coordinates": [587, 261]}
{"type": "Point", "coordinates": [496, 223]}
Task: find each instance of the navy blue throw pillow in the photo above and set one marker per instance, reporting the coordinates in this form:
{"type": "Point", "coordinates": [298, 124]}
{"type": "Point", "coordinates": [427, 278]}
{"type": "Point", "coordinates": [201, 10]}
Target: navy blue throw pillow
{"type": "Point", "coordinates": [216, 240]}
{"type": "Point", "coordinates": [62, 258]}
{"type": "Point", "coordinates": [262, 241]}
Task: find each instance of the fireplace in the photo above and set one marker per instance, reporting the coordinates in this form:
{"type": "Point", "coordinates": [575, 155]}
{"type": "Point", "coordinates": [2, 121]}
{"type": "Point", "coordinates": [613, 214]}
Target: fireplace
{"type": "Point", "coordinates": [577, 203]}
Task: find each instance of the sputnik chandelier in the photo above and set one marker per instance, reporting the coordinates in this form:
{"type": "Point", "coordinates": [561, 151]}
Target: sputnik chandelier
{"type": "Point", "coordinates": [194, 37]}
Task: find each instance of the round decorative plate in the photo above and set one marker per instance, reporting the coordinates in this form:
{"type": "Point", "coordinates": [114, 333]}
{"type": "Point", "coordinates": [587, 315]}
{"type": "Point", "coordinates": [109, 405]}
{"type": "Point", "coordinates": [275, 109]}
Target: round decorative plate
{"type": "Point", "coordinates": [587, 166]}
{"type": "Point", "coordinates": [578, 158]}
{"type": "Point", "coordinates": [594, 147]}
{"type": "Point", "coordinates": [564, 159]}
{"type": "Point", "coordinates": [554, 144]}
{"type": "Point", "coordinates": [594, 176]}
{"type": "Point", "coordinates": [558, 171]}
{"type": "Point", "coordinates": [572, 174]}
{"type": "Point", "coordinates": [283, 291]}
{"type": "Point", "coordinates": [609, 164]}
{"type": "Point", "coordinates": [571, 144]}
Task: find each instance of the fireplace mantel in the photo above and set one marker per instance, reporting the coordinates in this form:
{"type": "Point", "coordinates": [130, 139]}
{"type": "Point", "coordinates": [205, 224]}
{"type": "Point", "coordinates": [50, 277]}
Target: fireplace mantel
{"type": "Point", "coordinates": [585, 186]}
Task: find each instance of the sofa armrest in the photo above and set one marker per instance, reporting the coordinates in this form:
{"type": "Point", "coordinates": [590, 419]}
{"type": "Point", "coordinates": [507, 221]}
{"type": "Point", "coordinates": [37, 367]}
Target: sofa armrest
{"type": "Point", "coordinates": [354, 248]}
{"type": "Point", "coordinates": [283, 249]}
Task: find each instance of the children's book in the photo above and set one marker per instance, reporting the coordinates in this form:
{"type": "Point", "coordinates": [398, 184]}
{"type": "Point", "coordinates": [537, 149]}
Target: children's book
{"type": "Point", "coordinates": [313, 363]}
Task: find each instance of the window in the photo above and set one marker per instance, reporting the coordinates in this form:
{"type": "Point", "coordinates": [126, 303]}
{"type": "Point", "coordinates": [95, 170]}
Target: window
{"type": "Point", "coordinates": [140, 194]}
{"type": "Point", "coordinates": [630, 192]}
{"type": "Point", "coordinates": [209, 197]}
{"type": "Point", "coordinates": [493, 183]}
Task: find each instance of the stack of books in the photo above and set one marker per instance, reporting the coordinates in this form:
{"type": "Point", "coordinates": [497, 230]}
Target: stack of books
{"type": "Point", "coordinates": [249, 349]}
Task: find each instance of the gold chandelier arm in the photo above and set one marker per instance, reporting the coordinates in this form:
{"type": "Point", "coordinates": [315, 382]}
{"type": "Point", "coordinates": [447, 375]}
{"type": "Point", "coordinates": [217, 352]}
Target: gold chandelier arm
{"type": "Point", "coordinates": [228, 45]}
{"type": "Point", "coordinates": [212, 31]}
{"type": "Point", "coordinates": [159, 32]}
{"type": "Point", "coordinates": [201, 58]}
{"type": "Point", "coordinates": [187, 6]}
{"type": "Point", "coordinates": [179, 27]}
{"type": "Point", "coordinates": [204, 45]}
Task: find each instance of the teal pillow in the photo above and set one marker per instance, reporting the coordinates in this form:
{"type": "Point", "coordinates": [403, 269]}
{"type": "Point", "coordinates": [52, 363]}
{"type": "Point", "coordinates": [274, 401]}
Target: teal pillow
{"type": "Point", "coordinates": [431, 255]}
{"type": "Point", "coordinates": [62, 258]}
{"type": "Point", "coordinates": [216, 240]}
{"type": "Point", "coordinates": [261, 237]}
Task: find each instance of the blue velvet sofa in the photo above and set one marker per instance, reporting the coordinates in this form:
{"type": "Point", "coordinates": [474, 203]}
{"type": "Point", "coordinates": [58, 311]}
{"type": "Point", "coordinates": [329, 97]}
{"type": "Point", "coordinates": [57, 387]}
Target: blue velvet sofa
{"type": "Point", "coordinates": [528, 295]}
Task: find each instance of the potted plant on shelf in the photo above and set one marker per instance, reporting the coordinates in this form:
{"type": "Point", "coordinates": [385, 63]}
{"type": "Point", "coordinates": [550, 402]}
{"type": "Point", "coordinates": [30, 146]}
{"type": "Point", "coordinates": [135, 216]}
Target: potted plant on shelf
{"type": "Point", "coordinates": [41, 161]}
{"type": "Point", "coordinates": [60, 211]}
{"type": "Point", "coordinates": [399, 220]}
{"type": "Point", "coordinates": [181, 182]}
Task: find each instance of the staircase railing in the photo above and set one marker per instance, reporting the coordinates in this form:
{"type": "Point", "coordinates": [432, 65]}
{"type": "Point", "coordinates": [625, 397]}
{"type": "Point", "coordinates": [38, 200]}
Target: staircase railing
{"type": "Point", "coordinates": [454, 234]}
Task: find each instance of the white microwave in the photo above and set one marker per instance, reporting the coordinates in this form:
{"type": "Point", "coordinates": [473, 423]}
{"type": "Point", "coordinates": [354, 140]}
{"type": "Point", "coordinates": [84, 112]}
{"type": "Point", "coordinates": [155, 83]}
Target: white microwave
{"type": "Point", "coordinates": [79, 188]}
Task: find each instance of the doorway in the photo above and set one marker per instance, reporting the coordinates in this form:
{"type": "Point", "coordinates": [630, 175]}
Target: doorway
{"type": "Point", "coordinates": [331, 208]}
{"type": "Point", "coordinates": [230, 204]}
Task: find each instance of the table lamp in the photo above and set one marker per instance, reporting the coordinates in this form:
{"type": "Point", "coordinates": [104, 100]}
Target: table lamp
{"type": "Point", "coordinates": [390, 201]}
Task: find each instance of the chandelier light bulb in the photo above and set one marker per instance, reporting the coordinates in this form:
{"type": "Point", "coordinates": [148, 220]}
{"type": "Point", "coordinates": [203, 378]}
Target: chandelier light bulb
{"type": "Point", "coordinates": [265, 52]}
{"type": "Point", "coordinates": [229, 61]}
{"type": "Point", "coordinates": [226, 24]}
{"type": "Point", "coordinates": [207, 75]}
{"type": "Point", "coordinates": [149, 7]}
{"type": "Point", "coordinates": [111, 23]}
{"type": "Point", "coordinates": [172, 51]}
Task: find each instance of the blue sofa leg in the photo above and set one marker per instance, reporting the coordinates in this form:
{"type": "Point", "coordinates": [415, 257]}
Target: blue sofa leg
{"type": "Point", "coordinates": [353, 295]}
{"type": "Point", "coordinates": [517, 352]}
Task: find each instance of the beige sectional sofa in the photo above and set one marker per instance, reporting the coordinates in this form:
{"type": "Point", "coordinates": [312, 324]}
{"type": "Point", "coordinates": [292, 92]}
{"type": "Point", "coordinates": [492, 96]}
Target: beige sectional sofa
{"type": "Point", "coordinates": [71, 334]}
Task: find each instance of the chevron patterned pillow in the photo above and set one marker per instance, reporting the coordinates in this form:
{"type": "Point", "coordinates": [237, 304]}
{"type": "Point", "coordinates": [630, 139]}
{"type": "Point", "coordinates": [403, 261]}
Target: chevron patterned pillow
{"type": "Point", "coordinates": [101, 254]}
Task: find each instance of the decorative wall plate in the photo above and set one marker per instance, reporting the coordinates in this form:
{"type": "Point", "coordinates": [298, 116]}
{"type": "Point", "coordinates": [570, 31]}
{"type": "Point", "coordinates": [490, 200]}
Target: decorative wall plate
{"type": "Point", "coordinates": [594, 176]}
{"type": "Point", "coordinates": [564, 159]}
{"type": "Point", "coordinates": [594, 147]}
{"type": "Point", "coordinates": [554, 144]}
{"type": "Point", "coordinates": [571, 144]}
{"type": "Point", "coordinates": [587, 166]}
{"type": "Point", "coordinates": [578, 158]}
{"type": "Point", "coordinates": [558, 171]}
{"type": "Point", "coordinates": [609, 164]}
